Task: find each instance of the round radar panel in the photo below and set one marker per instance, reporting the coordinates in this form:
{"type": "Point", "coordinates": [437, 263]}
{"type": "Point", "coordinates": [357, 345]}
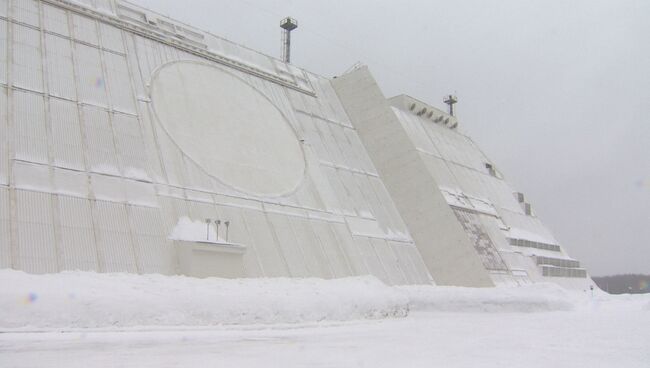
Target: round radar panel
{"type": "Point", "coordinates": [228, 128]}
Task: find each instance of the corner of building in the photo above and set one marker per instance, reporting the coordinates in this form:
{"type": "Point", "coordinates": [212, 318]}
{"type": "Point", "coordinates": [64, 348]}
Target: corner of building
{"type": "Point", "coordinates": [439, 237]}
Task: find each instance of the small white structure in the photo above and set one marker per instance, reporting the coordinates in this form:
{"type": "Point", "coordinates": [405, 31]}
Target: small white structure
{"type": "Point", "coordinates": [211, 259]}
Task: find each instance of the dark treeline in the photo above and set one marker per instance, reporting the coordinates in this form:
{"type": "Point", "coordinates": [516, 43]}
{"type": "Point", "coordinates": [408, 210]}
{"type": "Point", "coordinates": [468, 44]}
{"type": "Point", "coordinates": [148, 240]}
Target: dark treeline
{"type": "Point", "coordinates": [621, 284]}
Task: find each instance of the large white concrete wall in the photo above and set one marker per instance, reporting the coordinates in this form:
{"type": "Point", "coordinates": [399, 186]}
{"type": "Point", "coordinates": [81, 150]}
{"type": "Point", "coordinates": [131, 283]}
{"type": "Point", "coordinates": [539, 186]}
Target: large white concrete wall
{"type": "Point", "coordinates": [97, 172]}
{"type": "Point", "coordinates": [444, 245]}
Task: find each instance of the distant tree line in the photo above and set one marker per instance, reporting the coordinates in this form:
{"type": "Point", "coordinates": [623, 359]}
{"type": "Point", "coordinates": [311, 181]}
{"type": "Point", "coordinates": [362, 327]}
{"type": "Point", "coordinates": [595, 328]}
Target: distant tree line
{"type": "Point", "coordinates": [624, 284]}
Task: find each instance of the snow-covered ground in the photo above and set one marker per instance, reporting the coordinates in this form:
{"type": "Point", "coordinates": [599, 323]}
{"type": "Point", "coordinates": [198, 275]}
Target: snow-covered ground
{"type": "Point", "coordinates": [116, 320]}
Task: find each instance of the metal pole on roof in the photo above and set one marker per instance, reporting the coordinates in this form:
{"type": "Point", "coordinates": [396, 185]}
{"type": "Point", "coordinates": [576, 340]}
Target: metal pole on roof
{"type": "Point", "coordinates": [288, 24]}
{"type": "Point", "coordinates": [207, 229]}
{"type": "Point", "coordinates": [450, 100]}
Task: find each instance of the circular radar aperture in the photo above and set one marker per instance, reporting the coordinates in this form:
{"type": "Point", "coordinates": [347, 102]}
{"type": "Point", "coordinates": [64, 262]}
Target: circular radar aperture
{"type": "Point", "coordinates": [228, 128]}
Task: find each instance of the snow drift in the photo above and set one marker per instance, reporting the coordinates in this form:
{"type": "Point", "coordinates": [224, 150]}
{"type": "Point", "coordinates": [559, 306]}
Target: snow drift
{"type": "Point", "coordinates": [85, 299]}
{"type": "Point", "coordinates": [72, 300]}
{"type": "Point", "coordinates": [530, 298]}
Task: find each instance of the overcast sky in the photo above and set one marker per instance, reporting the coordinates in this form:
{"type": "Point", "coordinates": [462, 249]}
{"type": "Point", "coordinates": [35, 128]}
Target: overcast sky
{"type": "Point", "coordinates": [557, 93]}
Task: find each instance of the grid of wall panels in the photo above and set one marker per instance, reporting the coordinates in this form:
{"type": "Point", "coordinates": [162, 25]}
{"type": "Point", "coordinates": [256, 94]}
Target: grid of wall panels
{"type": "Point", "coordinates": [101, 186]}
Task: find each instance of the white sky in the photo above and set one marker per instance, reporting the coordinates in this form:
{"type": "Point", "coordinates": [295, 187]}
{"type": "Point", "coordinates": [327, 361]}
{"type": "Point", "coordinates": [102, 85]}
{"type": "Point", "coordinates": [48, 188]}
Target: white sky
{"type": "Point", "coordinates": [557, 93]}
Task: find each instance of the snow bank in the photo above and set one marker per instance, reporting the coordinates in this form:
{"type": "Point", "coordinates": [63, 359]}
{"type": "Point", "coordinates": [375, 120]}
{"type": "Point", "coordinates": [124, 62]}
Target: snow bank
{"type": "Point", "coordinates": [621, 303]}
{"type": "Point", "coordinates": [83, 299]}
{"type": "Point", "coordinates": [90, 300]}
{"type": "Point", "coordinates": [531, 298]}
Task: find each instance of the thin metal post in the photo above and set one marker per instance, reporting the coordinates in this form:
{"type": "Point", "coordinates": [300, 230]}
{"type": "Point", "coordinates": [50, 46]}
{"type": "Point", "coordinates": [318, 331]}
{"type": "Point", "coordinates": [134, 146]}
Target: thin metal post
{"type": "Point", "coordinates": [207, 229]}
{"type": "Point", "coordinates": [286, 46]}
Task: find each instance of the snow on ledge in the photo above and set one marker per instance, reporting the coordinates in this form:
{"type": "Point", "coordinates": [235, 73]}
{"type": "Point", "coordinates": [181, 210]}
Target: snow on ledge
{"type": "Point", "coordinates": [197, 231]}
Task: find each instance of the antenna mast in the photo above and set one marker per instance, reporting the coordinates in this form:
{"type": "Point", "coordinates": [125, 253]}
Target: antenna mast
{"type": "Point", "coordinates": [287, 24]}
{"type": "Point", "coordinates": [450, 100]}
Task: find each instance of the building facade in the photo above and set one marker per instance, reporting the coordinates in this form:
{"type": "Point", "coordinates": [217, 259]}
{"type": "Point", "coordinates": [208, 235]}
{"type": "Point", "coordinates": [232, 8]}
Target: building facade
{"type": "Point", "coordinates": [130, 142]}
